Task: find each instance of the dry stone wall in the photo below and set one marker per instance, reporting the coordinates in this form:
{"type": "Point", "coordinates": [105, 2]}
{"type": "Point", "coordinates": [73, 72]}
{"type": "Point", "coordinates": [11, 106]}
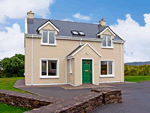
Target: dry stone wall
{"type": "Point", "coordinates": [81, 104]}
{"type": "Point", "coordinates": [25, 100]}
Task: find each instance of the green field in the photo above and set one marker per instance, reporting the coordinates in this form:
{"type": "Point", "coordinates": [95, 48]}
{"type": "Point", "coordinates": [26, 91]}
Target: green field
{"type": "Point", "coordinates": [137, 78]}
{"type": "Point", "coordinates": [4, 108]}
{"type": "Point", "coordinates": [7, 84]}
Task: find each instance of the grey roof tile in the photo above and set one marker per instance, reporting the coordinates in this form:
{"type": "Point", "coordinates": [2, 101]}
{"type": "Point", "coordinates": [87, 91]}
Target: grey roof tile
{"type": "Point", "coordinates": [65, 27]}
{"type": "Point", "coordinates": [75, 50]}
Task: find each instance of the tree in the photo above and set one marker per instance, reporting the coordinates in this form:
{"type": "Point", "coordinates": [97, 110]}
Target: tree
{"type": "Point", "coordinates": [14, 66]}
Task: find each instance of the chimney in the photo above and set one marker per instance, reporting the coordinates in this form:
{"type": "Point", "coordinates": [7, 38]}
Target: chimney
{"type": "Point", "coordinates": [30, 14]}
{"type": "Point", "coordinates": [102, 22]}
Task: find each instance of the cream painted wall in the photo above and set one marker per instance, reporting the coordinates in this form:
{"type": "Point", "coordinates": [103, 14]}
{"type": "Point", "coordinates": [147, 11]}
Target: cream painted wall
{"type": "Point", "coordinates": [48, 27]}
{"type": "Point", "coordinates": [107, 32]}
{"type": "Point", "coordinates": [82, 54]}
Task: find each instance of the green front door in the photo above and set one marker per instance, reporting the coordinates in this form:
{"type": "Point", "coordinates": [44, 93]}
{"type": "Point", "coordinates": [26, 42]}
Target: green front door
{"type": "Point", "coordinates": [86, 71]}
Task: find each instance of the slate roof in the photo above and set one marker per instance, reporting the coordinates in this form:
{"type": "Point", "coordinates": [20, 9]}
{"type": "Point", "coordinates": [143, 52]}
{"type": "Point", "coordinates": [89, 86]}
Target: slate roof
{"type": "Point", "coordinates": [75, 50]}
{"type": "Point", "coordinates": [65, 27]}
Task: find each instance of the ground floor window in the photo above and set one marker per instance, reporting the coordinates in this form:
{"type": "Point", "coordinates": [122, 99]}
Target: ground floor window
{"type": "Point", "coordinates": [106, 68]}
{"type": "Point", "coordinates": [49, 68]}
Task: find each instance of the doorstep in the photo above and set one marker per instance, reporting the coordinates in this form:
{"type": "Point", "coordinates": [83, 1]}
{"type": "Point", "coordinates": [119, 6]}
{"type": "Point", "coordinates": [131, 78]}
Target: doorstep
{"type": "Point", "coordinates": [84, 86]}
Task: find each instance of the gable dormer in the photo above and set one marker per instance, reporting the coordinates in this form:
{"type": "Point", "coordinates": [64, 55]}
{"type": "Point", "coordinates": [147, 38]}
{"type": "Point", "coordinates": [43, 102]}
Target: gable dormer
{"type": "Point", "coordinates": [48, 31]}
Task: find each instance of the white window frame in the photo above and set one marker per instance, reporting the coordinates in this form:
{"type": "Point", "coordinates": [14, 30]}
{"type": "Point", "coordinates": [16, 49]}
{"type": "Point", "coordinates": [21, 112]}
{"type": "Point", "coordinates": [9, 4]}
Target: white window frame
{"type": "Point", "coordinates": [48, 38]}
{"type": "Point", "coordinates": [57, 68]}
{"type": "Point", "coordinates": [70, 65]}
{"type": "Point", "coordinates": [113, 69]}
{"type": "Point", "coordinates": [106, 42]}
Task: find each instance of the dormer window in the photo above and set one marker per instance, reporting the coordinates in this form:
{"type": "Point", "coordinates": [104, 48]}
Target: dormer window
{"type": "Point", "coordinates": [48, 38]}
{"type": "Point", "coordinates": [107, 41]}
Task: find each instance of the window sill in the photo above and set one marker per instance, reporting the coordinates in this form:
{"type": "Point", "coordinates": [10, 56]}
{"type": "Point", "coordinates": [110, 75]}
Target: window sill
{"type": "Point", "coordinates": [49, 76]}
{"type": "Point", "coordinates": [107, 47]}
{"type": "Point", "coordinates": [107, 75]}
{"type": "Point", "coordinates": [48, 44]}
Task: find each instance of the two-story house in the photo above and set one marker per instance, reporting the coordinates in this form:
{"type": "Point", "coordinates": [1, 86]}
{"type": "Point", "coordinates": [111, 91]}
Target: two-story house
{"type": "Point", "coordinates": [63, 52]}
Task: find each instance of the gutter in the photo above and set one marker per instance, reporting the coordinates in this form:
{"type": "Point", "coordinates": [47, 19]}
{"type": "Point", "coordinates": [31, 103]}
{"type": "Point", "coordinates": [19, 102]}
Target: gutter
{"type": "Point", "coordinates": [32, 62]}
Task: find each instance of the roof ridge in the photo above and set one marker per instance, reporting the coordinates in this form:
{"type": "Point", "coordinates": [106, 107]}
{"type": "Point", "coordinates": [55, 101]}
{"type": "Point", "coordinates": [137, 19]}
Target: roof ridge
{"type": "Point", "coordinates": [67, 21]}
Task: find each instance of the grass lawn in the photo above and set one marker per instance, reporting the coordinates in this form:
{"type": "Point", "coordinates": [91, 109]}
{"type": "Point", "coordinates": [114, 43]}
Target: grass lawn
{"type": "Point", "coordinates": [4, 108]}
{"type": "Point", "coordinates": [7, 84]}
{"type": "Point", "coordinates": [137, 78]}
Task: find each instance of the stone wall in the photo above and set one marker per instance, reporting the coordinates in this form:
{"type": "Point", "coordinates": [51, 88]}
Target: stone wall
{"type": "Point", "coordinates": [81, 104]}
{"type": "Point", "coordinates": [25, 100]}
{"type": "Point", "coordinates": [110, 96]}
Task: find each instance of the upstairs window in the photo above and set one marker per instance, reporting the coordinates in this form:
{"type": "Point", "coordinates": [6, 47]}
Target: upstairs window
{"type": "Point", "coordinates": [48, 37]}
{"type": "Point", "coordinates": [107, 41]}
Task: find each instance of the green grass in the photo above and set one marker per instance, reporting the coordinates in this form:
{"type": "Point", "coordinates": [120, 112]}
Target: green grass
{"type": "Point", "coordinates": [4, 108]}
{"type": "Point", "coordinates": [7, 84]}
{"type": "Point", "coordinates": [137, 78]}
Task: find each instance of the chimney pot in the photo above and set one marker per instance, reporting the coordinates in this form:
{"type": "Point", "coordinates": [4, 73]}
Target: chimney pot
{"type": "Point", "coordinates": [102, 22]}
{"type": "Point", "coordinates": [30, 14]}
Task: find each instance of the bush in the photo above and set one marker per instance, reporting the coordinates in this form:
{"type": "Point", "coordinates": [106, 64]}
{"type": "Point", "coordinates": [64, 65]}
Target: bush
{"type": "Point", "coordinates": [137, 70]}
{"type": "Point", "coordinates": [14, 66]}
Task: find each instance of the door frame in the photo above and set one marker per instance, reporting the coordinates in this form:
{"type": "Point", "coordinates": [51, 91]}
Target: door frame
{"type": "Point", "coordinates": [92, 68]}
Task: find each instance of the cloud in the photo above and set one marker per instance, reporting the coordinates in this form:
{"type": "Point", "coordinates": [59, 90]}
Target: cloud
{"type": "Point", "coordinates": [11, 41]}
{"type": "Point", "coordinates": [137, 38]}
{"type": "Point", "coordinates": [82, 17]}
{"type": "Point", "coordinates": [68, 19]}
{"type": "Point", "coordinates": [15, 9]}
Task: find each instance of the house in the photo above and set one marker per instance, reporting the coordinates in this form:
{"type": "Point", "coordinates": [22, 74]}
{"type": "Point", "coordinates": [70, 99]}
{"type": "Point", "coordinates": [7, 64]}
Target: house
{"type": "Point", "coordinates": [63, 52]}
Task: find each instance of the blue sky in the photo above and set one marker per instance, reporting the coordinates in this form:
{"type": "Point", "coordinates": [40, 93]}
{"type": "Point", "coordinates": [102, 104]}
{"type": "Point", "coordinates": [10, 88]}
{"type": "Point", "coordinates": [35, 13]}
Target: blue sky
{"type": "Point", "coordinates": [129, 18]}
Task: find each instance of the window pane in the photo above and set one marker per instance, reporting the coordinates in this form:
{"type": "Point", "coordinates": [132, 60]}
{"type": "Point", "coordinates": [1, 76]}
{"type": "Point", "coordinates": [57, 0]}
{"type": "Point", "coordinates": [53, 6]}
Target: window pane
{"type": "Point", "coordinates": [103, 67]}
{"type": "Point", "coordinates": [51, 37]}
{"type": "Point", "coordinates": [104, 40]}
{"type": "Point", "coordinates": [52, 67]}
{"type": "Point", "coordinates": [110, 67]}
{"type": "Point", "coordinates": [45, 35]}
{"type": "Point", "coordinates": [109, 40]}
{"type": "Point", "coordinates": [44, 66]}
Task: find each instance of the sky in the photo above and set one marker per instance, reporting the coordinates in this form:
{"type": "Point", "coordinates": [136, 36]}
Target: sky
{"type": "Point", "coordinates": [129, 18]}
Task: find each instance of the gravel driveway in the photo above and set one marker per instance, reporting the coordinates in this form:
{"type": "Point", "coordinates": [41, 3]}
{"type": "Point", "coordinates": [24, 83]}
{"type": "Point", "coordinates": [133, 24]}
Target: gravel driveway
{"type": "Point", "coordinates": [136, 97]}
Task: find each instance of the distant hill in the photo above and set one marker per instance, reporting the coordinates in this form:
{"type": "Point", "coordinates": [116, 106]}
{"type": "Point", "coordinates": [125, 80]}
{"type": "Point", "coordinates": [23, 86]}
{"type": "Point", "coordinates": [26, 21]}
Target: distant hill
{"type": "Point", "coordinates": [138, 63]}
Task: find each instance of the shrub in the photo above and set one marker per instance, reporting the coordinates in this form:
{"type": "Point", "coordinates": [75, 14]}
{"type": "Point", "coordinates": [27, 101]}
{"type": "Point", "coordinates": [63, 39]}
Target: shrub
{"type": "Point", "coordinates": [13, 66]}
{"type": "Point", "coordinates": [137, 70]}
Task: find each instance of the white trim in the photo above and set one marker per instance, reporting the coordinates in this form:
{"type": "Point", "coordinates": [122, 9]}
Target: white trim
{"type": "Point", "coordinates": [46, 59]}
{"type": "Point", "coordinates": [32, 62]}
{"type": "Point", "coordinates": [119, 36]}
{"type": "Point", "coordinates": [70, 65]}
{"type": "Point", "coordinates": [113, 68]}
{"type": "Point", "coordinates": [46, 84]}
{"type": "Point", "coordinates": [105, 30]}
{"type": "Point", "coordinates": [42, 43]}
{"type": "Point", "coordinates": [50, 24]}
{"type": "Point", "coordinates": [34, 35]}
{"type": "Point", "coordinates": [92, 68]}
{"type": "Point", "coordinates": [107, 76]}
{"type": "Point", "coordinates": [72, 38]}
{"type": "Point", "coordinates": [66, 71]}
{"type": "Point", "coordinates": [83, 47]}
{"type": "Point", "coordinates": [110, 82]}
